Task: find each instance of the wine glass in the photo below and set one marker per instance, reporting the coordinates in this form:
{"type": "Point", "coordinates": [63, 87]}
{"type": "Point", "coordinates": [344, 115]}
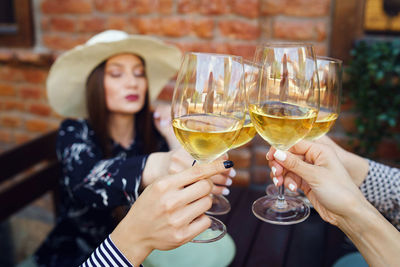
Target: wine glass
{"type": "Point", "coordinates": [330, 83]}
{"type": "Point", "coordinates": [283, 108]}
{"type": "Point", "coordinates": [207, 115]}
{"type": "Point", "coordinates": [248, 131]}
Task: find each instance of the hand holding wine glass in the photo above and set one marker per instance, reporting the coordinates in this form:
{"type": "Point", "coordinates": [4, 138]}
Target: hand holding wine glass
{"type": "Point", "coordinates": [283, 108]}
{"type": "Point", "coordinates": [207, 115]}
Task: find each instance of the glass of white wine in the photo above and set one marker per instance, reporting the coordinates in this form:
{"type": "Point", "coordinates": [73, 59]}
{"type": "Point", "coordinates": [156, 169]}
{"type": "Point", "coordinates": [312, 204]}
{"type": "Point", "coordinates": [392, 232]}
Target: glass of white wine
{"type": "Point", "coordinates": [330, 84]}
{"type": "Point", "coordinates": [207, 115]}
{"type": "Point", "coordinates": [283, 107]}
{"type": "Point", "coordinates": [248, 131]}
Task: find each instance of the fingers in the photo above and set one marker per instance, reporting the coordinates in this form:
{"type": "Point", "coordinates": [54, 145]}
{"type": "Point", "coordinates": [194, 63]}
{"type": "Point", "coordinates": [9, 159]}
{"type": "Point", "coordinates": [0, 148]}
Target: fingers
{"type": "Point", "coordinates": [295, 164]}
{"type": "Point", "coordinates": [201, 171]}
{"type": "Point", "coordinates": [195, 191]}
{"type": "Point", "coordinates": [220, 190]}
{"type": "Point", "coordinates": [199, 225]}
{"type": "Point", "coordinates": [192, 211]}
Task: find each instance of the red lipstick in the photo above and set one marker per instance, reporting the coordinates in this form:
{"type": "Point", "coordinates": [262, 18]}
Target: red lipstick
{"type": "Point", "coordinates": [132, 97]}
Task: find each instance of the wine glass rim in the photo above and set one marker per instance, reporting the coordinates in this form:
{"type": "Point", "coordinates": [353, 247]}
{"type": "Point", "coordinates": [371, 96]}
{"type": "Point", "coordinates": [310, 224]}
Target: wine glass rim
{"type": "Point", "coordinates": [336, 60]}
{"type": "Point", "coordinates": [285, 44]}
{"type": "Point", "coordinates": [214, 54]}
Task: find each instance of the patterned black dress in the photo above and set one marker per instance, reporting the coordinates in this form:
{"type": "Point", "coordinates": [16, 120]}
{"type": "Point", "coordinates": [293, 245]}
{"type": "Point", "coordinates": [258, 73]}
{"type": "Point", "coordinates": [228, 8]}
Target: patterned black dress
{"type": "Point", "coordinates": [91, 188]}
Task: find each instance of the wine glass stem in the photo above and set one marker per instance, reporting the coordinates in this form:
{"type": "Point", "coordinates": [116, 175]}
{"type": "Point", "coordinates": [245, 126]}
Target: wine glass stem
{"type": "Point", "coordinates": [281, 202]}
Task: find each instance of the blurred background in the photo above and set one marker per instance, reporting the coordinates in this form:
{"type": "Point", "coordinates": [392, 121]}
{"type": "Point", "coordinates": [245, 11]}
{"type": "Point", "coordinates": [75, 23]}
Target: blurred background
{"type": "Point", "coordinates": [363, 33]}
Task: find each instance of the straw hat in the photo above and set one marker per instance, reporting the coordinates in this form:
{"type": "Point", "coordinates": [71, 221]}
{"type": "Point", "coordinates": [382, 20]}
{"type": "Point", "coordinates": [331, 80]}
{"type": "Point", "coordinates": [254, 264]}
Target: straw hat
{"type": "Point", "coordinates": [66, 83]}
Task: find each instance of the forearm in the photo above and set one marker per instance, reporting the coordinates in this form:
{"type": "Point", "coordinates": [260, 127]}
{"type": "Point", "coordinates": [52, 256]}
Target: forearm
{"type": "Point", "coordinates": [356, 166]}
{"type": "Point", "coordinates": [376, 239]}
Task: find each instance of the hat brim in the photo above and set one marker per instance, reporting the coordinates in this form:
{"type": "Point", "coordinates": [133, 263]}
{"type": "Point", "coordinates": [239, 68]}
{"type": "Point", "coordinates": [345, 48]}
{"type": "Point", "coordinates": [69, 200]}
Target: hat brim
{"type": "Point", "coordinates": [66, 81]}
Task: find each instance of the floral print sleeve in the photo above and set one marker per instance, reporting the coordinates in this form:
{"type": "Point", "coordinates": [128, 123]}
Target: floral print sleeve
{"type": "Point", "coordinates": [381, 187]}
{"type": "Point", "coordinates": [88, 177]}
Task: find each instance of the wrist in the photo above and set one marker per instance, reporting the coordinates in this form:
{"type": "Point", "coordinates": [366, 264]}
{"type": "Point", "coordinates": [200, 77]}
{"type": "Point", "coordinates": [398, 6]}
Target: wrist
{"type": "Point", "coordinates": [130, 243]}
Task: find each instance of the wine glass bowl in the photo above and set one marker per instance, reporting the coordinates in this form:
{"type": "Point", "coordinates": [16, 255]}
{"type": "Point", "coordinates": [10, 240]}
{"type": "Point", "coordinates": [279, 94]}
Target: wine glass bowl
{"type": "Point", "coordinates": [330, 81]}
{"type": "Point", "coordinates": [283, 107]}
{"type": "Point", "coordinates": [207, 115]}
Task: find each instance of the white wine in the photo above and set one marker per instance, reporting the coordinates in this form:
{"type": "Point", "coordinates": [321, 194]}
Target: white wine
{"type": "Point", "coordinates": [282, 124]}
{"type": "Point", "coordinates": [206, 136]}
{"type": "Point", "coordinates": [245, 135]}
{"type": "Point", "coordinates": [323, 124]}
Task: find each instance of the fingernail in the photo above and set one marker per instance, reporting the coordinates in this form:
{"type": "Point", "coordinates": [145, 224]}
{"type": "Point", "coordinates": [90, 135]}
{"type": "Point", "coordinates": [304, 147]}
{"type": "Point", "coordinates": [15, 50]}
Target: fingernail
{"type": "Point", "coordinates": [273, 170]}
{"type": "Point", "coordinates": [164, 123]}
{"type": "Point", "coordinates": [228, 164]}
{"type": "Point", "coordinates": [280, 155]}
{"type": "Point", "coordinates": [292, 187]}
{"type": "Point", "coordinates": [275, 180]}
{"type": "Point", "coordinates": [156, 115]}
{"type": "Point", "coordinates": [225, 191]}
{"type": "Point", "coordinates": [232, 173]}
{"type": "Point", "coordinates": [228, 182]}
{"type": "Point", "coordinates": [267, 156]}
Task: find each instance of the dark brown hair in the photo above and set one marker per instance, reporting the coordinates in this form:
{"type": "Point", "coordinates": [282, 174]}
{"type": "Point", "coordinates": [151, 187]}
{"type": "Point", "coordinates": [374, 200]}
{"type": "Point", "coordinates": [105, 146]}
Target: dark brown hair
{"type": "Point", "coordinates": [98, 114]}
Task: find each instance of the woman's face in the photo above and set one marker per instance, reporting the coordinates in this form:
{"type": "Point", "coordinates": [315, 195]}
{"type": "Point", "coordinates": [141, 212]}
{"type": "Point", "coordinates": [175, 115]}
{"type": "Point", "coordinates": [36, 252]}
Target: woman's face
{"type": "Point", "coordinates": [125, 84]}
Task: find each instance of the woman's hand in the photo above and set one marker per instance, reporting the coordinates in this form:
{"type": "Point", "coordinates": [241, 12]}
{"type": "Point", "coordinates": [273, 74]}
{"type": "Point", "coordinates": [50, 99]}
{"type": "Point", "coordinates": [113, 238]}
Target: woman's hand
{"type": "Point", "coordinates": [169, 212]}
{"type": "Point", "coordinates": [163, 163]}
{"type": "Point", "coordinates": [162, 121]}
{"type": "Point", "coordinates": [317, 170]}
{"type": "Point", "coordinates": [355, 165]}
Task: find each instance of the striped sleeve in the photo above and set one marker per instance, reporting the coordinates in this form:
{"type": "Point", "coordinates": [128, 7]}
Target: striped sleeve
{"type": "Point", "coordinates": [107, 254]}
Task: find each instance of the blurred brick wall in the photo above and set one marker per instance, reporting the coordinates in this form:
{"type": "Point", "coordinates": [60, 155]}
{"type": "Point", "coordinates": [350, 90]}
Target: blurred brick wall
{"type": "Point", "coordinates": [221, 26]}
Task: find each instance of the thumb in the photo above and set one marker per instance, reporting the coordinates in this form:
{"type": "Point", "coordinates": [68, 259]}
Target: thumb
{"type": "Point", "coordinates": [295, 164]}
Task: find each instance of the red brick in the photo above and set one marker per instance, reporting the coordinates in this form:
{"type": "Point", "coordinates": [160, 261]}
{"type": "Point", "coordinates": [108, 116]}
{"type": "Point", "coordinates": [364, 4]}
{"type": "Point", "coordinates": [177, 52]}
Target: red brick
{"type": "Point", "coordinates": [297, 30]}
{"type": "Point", "coordinates": [30, 56]}
{"type": "Point", "coordinates": [118, 23]}
{"type": "Point", "coordinates": [7, 90]}
{"type": "Point", "coordinates": [321, 29]}
{"type": "Point", "coordinates": [320, 49]}
{"type": "Point", "coordinates": [21, 138]}
{"type": "Point", "coordinates": [11, 121]}
{"type": "Point", "coordinates": [5, 136]}
{"type": "Point", "coordinates": [152, 6]}
{"type": "Point", "coordinates": [61, 42]}
{"type": "Point", "coordinates": [247, 8]}
{"type": "Point", "coordinates": [239, 29]}
{"type": "Point", "coordinates": [31, 92]}
{"type": "Point", "coordinates": [266, 28]}
{"type": "Point", "coordinates": [147, 25]}
{"type": "Point", "coordinates": [66, 6]}
{"type": "Point", "coordinates": [241, 157]}
{"type": "Point", "coordinates": [13, 105]}
{"type": "Point", "coordinates": [167, 92]}
{"type": "Point", "coordinates": [204, 28]}
{"type": "Point", "coordinates": [188, 6]}
{"type": "Point", "coordinates": [36, 125]}
{"type": "Point", "coordinates": [215, 7]}
{"type": "Point", "coordinates": [307, 8]}
{"type": "Point", "coordinates": [40, 109]}
{"type": "Point", "coordinates": [115, 6]}
{"type": "Point", "coordinates": [175, 26]}
{"type": "Point", "coordinates": [91, 24]}
{"type": "Point", "coordinates": [165, 6]}
{"type": "Point", "coordinates": [242, 178]}
{"type": "Point", "coordinates": [45, 24]}
{"type": "Point", "coordinates": [34, 75]}
{"type": "Point", "coordinates": [245, 50]}
{"type": "Point", "coordinates": [301, 8]}
{"type": "Point", "coordinates": [62, 24]}
{"type": "Point", "coordinates": [11, 74]}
